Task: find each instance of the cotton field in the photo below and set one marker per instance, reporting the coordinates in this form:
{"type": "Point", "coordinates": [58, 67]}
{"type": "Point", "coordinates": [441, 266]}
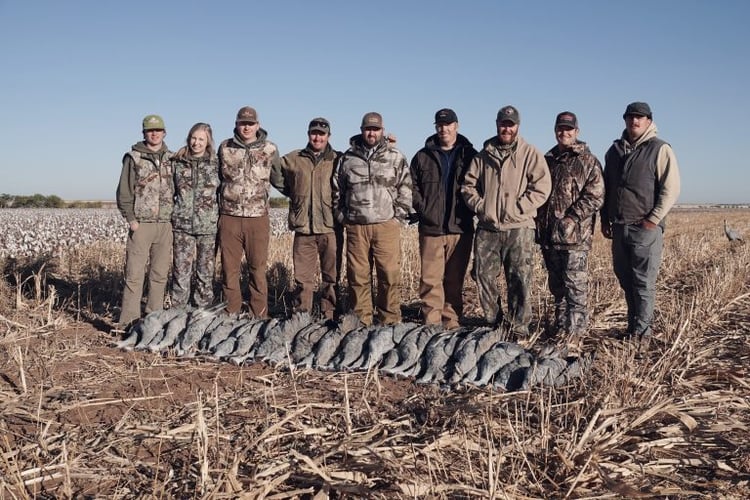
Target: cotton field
{"type": "Point", "coordinates": [28, 232]}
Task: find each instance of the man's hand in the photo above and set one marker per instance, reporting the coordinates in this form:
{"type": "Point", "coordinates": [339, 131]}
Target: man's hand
{"type": "Point", "coordinates": [647, 224]}
{"type": "Point", "coordinates": [607, 230]}
{"type": "Point", "coordinates": [134, 225]}
{"type": "Point", "coordinates": [412, 218]}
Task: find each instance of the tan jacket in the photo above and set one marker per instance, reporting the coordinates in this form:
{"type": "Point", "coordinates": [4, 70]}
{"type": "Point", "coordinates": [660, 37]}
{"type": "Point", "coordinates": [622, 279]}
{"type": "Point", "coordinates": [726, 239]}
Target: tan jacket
{"type": "Point", "coordinates": [505, 194]}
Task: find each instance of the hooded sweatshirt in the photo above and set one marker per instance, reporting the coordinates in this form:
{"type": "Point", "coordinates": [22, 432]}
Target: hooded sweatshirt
{"type": "Point", "coordinates": [505, 186]}
{"type": "Point", "coordinates": [247, 171]}
{"type": "Point", "coordinates": [642, 180]}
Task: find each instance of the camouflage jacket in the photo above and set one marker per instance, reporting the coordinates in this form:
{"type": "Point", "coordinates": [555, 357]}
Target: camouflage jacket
{"type": "Point", "coordinates": [196, 203]}
{"type": "Point", "coordinates": [246, 171]}
{"type": "Point", "coordinates": [566, 221]}
{"type": "Point", "coordinates": [145, 192]}
{"type": "Point", "coordinates": [308, 183]}
{"type": "Point", "coordinates": [367, 191]}
{"type": "Point", "coordinates": [505, 189]}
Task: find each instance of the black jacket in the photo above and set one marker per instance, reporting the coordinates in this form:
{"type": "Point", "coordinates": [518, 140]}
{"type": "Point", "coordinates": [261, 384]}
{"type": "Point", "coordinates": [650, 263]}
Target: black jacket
{"type": "Point", "coordinates": [441, 211]}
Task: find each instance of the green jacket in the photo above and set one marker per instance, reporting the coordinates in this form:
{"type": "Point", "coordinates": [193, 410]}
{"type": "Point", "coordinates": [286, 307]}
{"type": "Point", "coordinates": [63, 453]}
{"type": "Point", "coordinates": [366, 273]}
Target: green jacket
{"type": "Point", "coordinates": [308, 184]}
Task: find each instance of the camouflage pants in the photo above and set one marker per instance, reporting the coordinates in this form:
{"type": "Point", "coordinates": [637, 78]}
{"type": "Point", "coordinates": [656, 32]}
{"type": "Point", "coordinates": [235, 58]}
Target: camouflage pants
{"type": "Point", "coordinates": [567, 275]}
{"type": "Point", "coordinates": [194, 260]}
{"type": "Point", "coordinates": [148, 246]}
{"type": "Point", "coordinates": [511, 251]}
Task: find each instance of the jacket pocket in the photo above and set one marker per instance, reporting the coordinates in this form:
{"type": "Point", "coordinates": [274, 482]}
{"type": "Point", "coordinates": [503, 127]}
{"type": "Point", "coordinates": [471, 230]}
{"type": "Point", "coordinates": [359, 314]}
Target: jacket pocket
{"type": "Point", "coordinates": [565, 232]}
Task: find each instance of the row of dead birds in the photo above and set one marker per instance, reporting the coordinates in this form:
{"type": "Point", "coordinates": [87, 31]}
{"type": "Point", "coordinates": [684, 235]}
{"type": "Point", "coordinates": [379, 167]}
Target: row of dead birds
{"type": "Point", "coordinates": [428, 353]}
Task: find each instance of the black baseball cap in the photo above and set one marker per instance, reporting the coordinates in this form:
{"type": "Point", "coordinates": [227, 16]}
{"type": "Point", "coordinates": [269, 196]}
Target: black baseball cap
{"type": "Point", "coordinates": [566, 119]}
{"type": "Point", "coordinates": [638, 108]}
{"type": "Point", "coordinates": [445, 115]}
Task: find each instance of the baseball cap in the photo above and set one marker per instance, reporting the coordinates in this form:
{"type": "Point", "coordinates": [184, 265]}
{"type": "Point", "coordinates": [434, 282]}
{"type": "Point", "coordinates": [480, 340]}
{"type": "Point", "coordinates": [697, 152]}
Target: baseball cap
{"type": "Point", "coordinates": [372, 119]}
{"type": "Point", "coordinates": [638, 108]}
{"type": "Point", "coordinates": [153, 122]}
{"type": "Point", "coordinates": [566, 119]}
{"type": "Point", "coordinates": [509, 113]}
{"type": "Point", "coordinates": [445, 115]}
{"type": "Point", "coordinates": [247, 114]}
{"type": "Point", "coordinates": [319, 124]}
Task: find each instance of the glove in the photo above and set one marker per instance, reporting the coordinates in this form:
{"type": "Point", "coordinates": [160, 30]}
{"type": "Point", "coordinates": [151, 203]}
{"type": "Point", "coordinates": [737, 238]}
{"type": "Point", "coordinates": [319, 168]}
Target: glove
{"type": "Point", "coordinates": [412, 218]}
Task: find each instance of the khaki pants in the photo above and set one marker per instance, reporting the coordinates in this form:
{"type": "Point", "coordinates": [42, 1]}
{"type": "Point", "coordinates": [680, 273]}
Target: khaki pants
{"type": "Point", "coordinates": [444, 261]}
{"type": "Point", "coordinates": [249, 236]}
{"type": "Point", "coordinates": [383, 242]}
{"type": "Point", "coordinates": [149, 245]}
{"type": "Point", "coordinates": [307, 249]}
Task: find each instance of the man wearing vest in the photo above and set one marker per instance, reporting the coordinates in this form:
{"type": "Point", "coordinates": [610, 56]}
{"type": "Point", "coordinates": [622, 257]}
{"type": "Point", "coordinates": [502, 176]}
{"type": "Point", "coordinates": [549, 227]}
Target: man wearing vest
{"type": "Point", "coordinates": [145, 197]}
{"type": "Point", "coordinates": [642, 182]}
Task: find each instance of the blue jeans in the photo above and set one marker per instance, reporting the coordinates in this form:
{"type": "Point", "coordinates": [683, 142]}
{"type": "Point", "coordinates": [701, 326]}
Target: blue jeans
{"type": "Point", "coordinates": [636, 257]}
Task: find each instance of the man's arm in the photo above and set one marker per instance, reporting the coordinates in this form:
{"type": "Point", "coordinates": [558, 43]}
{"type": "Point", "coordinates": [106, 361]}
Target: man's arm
{"type": "Point", "coordinates": [538, 184]}
{"type": "Point", "coordinates": [125, 194]}
{"type": "Point", "coordinates": [470, 187]}
{"type": "Point", "coordinates": [668, 179]}
{"type": "Point", "coordinates": [403, 206]}
{"type": "Point", "coordinates": [591, 197]}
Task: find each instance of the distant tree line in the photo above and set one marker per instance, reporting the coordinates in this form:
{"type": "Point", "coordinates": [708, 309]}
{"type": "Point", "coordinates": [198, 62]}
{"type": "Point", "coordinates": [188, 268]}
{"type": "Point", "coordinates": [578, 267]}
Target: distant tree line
{"type": "Point", "coordinates": [41, 201]}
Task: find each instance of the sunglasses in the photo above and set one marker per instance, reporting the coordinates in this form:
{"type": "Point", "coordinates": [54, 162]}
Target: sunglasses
{"type": "Point", "coordinates": [318, 124]}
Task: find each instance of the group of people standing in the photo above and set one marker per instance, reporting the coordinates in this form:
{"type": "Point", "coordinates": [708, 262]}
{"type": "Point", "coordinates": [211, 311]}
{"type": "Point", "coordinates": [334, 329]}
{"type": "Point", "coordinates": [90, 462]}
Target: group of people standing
{"type": "Point", "coordinates": [359, 199]}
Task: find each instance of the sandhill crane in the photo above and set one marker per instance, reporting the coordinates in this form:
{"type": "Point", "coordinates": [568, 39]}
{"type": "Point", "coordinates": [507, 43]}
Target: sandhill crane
{"type": "Point", "coordinates": [732, 234]}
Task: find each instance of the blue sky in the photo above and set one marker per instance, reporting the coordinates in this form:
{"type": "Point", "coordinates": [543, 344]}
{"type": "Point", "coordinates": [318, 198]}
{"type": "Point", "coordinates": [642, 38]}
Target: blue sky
{"type": "Point", "coordinates": [79, 76]}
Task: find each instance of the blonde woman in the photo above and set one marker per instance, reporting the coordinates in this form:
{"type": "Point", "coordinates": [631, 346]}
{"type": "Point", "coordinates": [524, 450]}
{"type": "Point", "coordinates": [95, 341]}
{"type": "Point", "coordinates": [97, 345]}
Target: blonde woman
{"type": "Point", "coordinates": [195, 217]}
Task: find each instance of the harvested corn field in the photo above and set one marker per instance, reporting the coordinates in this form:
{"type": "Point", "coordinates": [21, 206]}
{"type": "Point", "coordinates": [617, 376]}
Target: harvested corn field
{"type": "Point", "coordinates": [80, 417]}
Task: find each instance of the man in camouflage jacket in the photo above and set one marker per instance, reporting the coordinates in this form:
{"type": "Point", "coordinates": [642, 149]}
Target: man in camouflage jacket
{"type": "Point", "coordinates": [145, 199]}
{"type": "Point", "coordinates": [248, 164]}
{"type": "Point", "coordinates": [371, 194]}
{"type": "Point", "coordinates": [308, 182]}
{"type": "Point", "coordinates": [565, 224]}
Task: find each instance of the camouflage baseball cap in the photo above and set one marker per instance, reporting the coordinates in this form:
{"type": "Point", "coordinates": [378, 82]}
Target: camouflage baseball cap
{"type": "Point", "coordinates": [372, 119]}
{"type": "Point", "coordinates": [509, 113]}
{"type": "Point", "coordinates": [247, 114]}
{"type": "Point", "coordinates": [153, 122]}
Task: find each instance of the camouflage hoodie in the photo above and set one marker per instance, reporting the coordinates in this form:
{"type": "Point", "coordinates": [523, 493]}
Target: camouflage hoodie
{"type": "Point", "coordinates": [247, 171]}
{"type": "Point", "coordinates": [196, 180]}
{"type": "Point", "coordinates": [506, 186]}
{"type": "Point", "coordinates": [368, 191]}
{"type": "Point", "coordinates": [566, 220]}
{"type": "Point", "coordinates": [146, 190]}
